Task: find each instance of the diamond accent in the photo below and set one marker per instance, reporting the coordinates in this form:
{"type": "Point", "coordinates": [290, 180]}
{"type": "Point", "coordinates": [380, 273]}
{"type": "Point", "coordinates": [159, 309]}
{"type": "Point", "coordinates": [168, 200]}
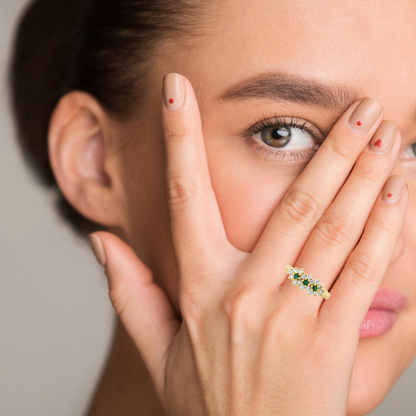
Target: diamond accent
{"type": "Point", "coordinates": [305, 281]}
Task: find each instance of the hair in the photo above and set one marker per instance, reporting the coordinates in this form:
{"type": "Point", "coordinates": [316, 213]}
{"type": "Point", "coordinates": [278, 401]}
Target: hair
{"type": "Point", "coordinates": [103, 47]}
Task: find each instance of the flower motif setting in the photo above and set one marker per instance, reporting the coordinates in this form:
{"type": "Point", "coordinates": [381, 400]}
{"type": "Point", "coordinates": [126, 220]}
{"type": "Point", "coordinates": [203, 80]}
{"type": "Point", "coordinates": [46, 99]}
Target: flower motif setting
{"type": "Point", "coordinates": [305, 282]}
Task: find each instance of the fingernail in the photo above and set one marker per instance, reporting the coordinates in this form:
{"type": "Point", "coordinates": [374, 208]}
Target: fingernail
{"type": "Point", "coordinates": [366, 114]}
{"type": "Point", "coordinates": [393, 189]}
{"type": "Point", "coordinates": [173, 91]}
{"type": "Point", "coordinates": [98, 249]}
{"type": "Point", "coordinates": [383, 139]}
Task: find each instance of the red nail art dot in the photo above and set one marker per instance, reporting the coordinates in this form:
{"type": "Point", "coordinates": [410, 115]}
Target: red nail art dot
{"type": "Point", "coordinates": [359, 123]}
{"type": "Point", "coordinates": [171, 100]}
{"type": "Point", "coordinates": [389, 195]}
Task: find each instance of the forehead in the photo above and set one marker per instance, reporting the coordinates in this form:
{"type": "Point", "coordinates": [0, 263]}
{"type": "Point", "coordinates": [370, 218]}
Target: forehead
{"type": "Point", "coordinates": [369, 46]}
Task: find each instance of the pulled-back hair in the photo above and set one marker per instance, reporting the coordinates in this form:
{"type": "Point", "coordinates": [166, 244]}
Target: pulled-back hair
{"type": "Point", "coordinates": [103, 47]}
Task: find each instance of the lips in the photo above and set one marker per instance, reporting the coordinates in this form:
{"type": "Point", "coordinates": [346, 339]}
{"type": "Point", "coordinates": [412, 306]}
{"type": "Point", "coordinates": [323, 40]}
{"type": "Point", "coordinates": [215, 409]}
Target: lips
{"type": "Point", "coordinates": [389, 298]}
{"type": "Point", "coordinates": [383, 312]}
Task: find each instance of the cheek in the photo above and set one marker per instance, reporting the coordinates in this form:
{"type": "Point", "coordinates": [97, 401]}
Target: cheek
{"type": "Point", "coordinates": [379, 362]}
{"type": "Point", "coordinates": [369, 383]}
{"type": "Point", "coordinates": [247, 196]}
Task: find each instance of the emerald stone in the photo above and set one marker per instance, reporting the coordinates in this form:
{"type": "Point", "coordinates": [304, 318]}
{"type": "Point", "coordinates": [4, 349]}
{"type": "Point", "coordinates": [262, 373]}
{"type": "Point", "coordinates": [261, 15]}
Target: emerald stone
{"type": "Point", "coordinates": [296, 276]}
{"type": "Point", "coordinates": [306, 282]}
{"type": "Point", "coordinates": [314, 288]}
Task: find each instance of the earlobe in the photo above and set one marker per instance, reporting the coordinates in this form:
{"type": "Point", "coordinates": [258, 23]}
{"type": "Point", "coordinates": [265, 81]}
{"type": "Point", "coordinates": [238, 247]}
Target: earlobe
{"type": "Point", "coordinates": [77, 153]}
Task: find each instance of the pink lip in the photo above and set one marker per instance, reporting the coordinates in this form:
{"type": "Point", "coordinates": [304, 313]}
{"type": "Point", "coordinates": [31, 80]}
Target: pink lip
{"type": "Point", "coordinates": [383, 312]}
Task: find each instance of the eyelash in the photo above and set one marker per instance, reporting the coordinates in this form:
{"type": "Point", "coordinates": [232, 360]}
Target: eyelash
{"type": "Point", "coordinates": [279, 121]}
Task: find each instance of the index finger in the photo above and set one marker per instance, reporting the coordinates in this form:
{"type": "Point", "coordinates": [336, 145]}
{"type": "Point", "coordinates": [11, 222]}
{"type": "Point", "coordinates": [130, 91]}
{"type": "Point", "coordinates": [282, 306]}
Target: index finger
{"type": "Point", "coordinates": [197, 230]}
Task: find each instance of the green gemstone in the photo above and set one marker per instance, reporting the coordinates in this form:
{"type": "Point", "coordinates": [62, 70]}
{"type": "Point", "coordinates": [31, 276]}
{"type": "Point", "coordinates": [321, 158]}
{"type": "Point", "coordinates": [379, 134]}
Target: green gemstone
{"type": "Point", "coordinates": [306, 282]}
{"type": "Point", "coordinates": [296, 276]}
{"type": "Point", "coordinates": [314, 288]}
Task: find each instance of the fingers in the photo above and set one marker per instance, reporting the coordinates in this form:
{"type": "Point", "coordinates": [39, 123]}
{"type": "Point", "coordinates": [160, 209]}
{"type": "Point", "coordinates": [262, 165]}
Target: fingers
{"type": "Point", "coordinates": [340, 227]}
{"type": "Point", "coordinates": [355, 288]}
{"type": "Point", "coordinates": [314, 190]}
{"type": "Point", "coordinates": [197, 229]}
{"type": "Point", "coordinates": [142, 306]}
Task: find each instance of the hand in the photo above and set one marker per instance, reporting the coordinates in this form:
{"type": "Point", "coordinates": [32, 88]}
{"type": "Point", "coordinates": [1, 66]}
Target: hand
{"type": "Point", "coordinates": [249, 343]}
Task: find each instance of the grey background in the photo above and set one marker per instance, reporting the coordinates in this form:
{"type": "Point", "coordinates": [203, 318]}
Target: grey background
{"type": "Point", "coordinates": [56, 321]}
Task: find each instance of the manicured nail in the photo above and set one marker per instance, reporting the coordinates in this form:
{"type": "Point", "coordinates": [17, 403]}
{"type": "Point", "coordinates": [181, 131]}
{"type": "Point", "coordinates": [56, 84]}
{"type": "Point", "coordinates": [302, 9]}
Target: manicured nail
{"type": "Point", "coordinates": [383, 139]}
{"type": "Point", "coordinates": [393, 189]}
{"type": "Point", "coordinates": [98, 249]}
{"type": "Point", "coordinates": [173, 91]}
{"type": "Point", "coordinates": [366, 114]}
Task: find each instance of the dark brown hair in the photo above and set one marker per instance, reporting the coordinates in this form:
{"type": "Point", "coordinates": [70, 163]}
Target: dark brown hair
{"type": "Point", "coordinates": [103, 47]}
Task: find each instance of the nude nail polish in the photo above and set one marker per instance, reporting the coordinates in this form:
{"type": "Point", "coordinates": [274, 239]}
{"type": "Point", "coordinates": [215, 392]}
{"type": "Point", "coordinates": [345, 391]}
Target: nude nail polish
{"type": "Point", "coordinates": [365, 115]}
{"type": "Point", "coordinates": [393, 189]}
{"type": "Point", "coordinates": [383, 138]}
{"type": "Point", "coordinates": [173, 91]}
{"type": "Point", "coordinates": [97, 248]}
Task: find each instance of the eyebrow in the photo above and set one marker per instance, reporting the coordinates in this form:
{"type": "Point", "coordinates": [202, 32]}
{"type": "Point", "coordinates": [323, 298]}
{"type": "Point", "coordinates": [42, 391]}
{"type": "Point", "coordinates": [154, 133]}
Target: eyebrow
{"type": "Point", "coordinates": [284, 87]}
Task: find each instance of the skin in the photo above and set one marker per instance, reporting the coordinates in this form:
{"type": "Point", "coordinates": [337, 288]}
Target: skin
{"type": "Point", "coordinates": [114, 173]}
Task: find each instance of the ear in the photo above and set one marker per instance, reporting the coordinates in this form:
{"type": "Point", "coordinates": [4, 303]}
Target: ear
{"type": "Point", "coordinates": [85, 170]}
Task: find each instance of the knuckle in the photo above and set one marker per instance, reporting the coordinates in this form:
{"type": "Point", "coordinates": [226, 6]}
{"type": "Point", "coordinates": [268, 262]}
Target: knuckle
{"type": "Point", "coordinates": [178, 134]}
{"type": "Point", "coordinates": [333, 229]}
{"type": "Point", "coordinates": [192, 312]}
{"type": "Point", "coordinates": [341, 149]}
{"type": "Point", "coordinates": [320, 347]}
{"type": "Point", "coordinates": [300, 206]}
{"type": "Point", "coordinates": [182, 191]}
{"type": "Point", "coordinates": [384, 222]}
{"type": "Point", "coordinates": [237, 307]}
{"type": "Point", "coordinates": [234, 305]}
{"type": "Point", "coordinates": [362, 267]}
{"type": "Point", "coordinates": [367, 173]}
{"type": "Point", "coordinates": [119, 299]}
{"type": "Point", "coordinates": [275, 327]}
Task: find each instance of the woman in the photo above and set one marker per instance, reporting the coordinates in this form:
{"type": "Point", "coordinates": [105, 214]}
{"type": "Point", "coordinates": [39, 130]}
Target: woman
{"type": "Point", "coordinates": [283, 135]}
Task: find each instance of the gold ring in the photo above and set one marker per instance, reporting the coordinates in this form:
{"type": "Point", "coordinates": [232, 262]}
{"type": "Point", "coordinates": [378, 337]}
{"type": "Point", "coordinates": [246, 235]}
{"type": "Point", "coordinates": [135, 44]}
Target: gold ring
{"type": "Point", "coordinates": [305, 282]}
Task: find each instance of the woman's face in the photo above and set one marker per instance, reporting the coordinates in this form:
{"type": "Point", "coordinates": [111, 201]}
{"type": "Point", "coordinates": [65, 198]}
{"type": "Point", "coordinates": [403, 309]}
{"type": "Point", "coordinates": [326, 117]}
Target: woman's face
{"type": "Point", "coordinates": [344, 51]}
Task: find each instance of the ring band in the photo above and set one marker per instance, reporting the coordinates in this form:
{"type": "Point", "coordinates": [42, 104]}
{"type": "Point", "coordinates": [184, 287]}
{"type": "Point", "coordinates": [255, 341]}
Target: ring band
{"type": "Point", "coordinates": [305, 281]}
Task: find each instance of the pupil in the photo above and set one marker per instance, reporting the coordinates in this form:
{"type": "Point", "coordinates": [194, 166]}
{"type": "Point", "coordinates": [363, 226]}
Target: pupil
{"type": "Point", "coordinates": [277, 134]}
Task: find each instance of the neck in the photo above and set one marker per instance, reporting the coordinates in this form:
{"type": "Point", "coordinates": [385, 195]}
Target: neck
{"type": "Point", "coordinates": [125, 388]}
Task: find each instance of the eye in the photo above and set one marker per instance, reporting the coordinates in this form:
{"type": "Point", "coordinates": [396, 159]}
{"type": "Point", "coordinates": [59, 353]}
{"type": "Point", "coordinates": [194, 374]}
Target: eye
{"type": "Point", "coordinates": [287, 137]}
{"type": "Point", "coordinates": [284, 137]}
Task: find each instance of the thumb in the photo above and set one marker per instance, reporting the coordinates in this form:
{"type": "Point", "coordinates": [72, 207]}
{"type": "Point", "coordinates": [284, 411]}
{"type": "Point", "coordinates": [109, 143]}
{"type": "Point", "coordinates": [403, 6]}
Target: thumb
{"type": "Point", "coordinates": [142, 306]}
